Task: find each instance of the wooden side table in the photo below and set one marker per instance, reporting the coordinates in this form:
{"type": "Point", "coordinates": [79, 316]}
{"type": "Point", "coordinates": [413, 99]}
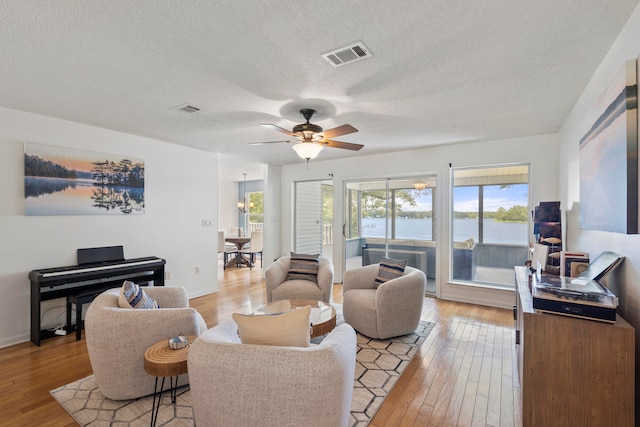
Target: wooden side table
{"type": "Point", "coordinates": [161, 361]}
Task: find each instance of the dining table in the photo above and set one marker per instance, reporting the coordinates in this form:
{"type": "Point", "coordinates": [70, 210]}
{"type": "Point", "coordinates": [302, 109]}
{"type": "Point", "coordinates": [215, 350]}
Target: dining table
{"type": "Point", "coordinates": [239, 259]}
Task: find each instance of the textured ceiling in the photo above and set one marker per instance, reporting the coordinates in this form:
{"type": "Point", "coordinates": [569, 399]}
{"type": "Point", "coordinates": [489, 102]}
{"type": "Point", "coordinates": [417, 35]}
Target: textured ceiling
{"type": "Point", "coordinates": [442, 71]}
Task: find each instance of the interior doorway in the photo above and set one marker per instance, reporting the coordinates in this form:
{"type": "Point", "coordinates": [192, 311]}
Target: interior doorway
{"type": "Point", "coordinates": [313, 217]}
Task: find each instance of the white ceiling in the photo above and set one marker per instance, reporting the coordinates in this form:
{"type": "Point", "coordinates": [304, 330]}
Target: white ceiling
{"type": "Point", "coordinates": [442, 71]}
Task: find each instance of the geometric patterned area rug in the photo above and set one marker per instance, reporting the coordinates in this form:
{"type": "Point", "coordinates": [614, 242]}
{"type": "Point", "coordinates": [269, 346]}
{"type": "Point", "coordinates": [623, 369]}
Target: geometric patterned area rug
{"type": "Point", "coordinates": [379, 364]}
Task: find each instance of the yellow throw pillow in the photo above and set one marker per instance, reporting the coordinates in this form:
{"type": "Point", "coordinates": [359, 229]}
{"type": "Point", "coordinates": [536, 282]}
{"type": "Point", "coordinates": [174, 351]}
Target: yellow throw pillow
{"type": "Point", "coordinates": [291, 329]}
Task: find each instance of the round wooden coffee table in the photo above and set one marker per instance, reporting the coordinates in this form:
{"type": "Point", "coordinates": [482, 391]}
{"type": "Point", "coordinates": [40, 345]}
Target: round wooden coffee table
{"type": "Point", "coordinates": [322, 317]}
{"type": "Point", "coordinates": [161, 361]}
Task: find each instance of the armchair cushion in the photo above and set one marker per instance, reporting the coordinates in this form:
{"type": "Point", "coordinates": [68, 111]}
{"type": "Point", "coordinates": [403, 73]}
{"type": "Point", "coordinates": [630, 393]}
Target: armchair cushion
{"type": "Point", "coordinates": [291, 329]}
{"type": "Point", "coordinates": [304, 267]}
{"type": "Point", "coordinates": [133, 296]}
{"type": "Point", "coordinates": [235, 384]}
{"type": "Point", "coordinates": [279, 288]}
{"type": "Point", "coordinates": [392, 309]}
{"type": "Point", "coordinates": [117, 338]}
{"type": "Point", "coordinates": [390, 269]}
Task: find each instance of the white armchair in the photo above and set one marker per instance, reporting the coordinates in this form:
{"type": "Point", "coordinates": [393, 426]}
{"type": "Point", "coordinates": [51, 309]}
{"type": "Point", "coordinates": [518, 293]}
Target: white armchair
{"type": "Point", "coordinates": [278, 287]}
{"type": "Point", "coordinates": [234, 384]}
{"type": "Point", "coordinates": [391, 310]}
{"type": "Point", "coordinates": [118, 337]}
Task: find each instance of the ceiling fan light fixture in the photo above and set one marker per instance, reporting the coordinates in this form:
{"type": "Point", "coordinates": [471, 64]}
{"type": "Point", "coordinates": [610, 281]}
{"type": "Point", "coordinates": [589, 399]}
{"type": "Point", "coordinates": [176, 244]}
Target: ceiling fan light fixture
{"type": "Point", "coordinates": [307, 150]}
{"type": "Point", "coordinates": [419, 185]}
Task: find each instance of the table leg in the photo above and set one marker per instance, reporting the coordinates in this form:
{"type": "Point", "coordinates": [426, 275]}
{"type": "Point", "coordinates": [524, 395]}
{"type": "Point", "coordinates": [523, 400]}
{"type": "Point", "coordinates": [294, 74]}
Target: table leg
{"type": "Point", "coordinates": [238, 261]}
{"type": "Point", "coordinates": [174, 390]}
{"type": "Point", "coordinates": [155, 408]}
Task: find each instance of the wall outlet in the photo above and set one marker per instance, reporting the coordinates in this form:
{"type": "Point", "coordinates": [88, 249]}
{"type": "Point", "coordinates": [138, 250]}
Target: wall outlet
{"type": "Point", "coordinates": [167, 275]}
{"type": "Point", "coordinates": [197, 270]}
{"type": "Point", "coordinates": [207, 223]}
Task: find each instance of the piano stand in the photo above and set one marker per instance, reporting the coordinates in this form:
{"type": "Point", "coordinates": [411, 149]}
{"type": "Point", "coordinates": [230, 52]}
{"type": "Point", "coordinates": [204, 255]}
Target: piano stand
{"type": "Point", "coordinates": [78, 300]}
{"type": "Point", "coordinates": [79, 285]}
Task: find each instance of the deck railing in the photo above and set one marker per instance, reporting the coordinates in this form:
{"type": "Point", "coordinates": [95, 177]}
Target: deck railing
{"type": "Point", "coordinates": [255, 226]}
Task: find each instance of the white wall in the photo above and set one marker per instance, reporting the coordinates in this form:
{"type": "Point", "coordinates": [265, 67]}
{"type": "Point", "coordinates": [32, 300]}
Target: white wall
{"type": "Point", "coordinates": [626, 47]}
{"type": "Point", "coordinates": [541, 152]}
{"type": "Point", "coordinates": [227, 201]}
{"type": "Point", "coordinates": [180, 192]}
{"type": "Point", "coordinates": [626, 280]}
{"type": "Point", "coordinates": [272, 215]}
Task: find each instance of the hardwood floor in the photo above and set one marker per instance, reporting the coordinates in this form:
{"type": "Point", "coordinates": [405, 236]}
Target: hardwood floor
{"type": "Point", "coordinates": [464, 374]}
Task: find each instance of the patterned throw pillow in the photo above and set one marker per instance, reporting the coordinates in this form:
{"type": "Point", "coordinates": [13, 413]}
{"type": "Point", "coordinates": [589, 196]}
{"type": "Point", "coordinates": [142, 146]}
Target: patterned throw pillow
{"type": "Point", "coordinates": [291, 329]}
{"type": "Point", "coordinates": [304, 267]}
{"type": "Point", "coordinates": [133, 296]}
{"type": "Point", "coordinates": [390, 269]}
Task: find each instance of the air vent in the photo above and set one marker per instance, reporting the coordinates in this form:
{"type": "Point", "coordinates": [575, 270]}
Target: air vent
{"type": "Point", "coordinates": [187, 109]}
{"type": "Point", "coordinates": [348, 54]}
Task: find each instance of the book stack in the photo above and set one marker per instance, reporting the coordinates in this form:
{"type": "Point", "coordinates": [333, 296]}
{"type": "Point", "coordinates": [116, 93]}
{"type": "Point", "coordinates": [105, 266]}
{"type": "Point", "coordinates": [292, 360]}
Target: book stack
{"type": "Point", "coordinates": [572, 264]}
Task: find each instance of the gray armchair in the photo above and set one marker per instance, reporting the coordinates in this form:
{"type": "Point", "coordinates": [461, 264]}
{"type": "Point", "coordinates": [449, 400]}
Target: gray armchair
{"type": "Point", "coordinates": [234, 384]}
{"type": "Point", "coordinates": [118, 337]}
{"type": "Point", "coordinates": [391, 310]}
{"type": "Point", "coordinates": [278, 287]}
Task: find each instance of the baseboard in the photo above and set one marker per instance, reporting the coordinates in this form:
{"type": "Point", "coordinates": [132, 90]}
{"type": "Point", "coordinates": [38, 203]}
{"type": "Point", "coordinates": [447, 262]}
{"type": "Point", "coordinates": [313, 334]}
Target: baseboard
{"type": "Point", "coordinates": [18, 339]}
{"type": "Point", "coordinates": [490, 297]}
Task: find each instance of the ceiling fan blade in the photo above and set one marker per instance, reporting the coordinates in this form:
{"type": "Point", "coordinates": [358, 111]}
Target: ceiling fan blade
{"type": "Point", "coordinates": [345, 145]}
{"type": "Point", "coordinates": [278, 128]}
{"type": "Point", "coordinates": [272, 142]}
{"type": "Point", "coordinates": [340, 130]}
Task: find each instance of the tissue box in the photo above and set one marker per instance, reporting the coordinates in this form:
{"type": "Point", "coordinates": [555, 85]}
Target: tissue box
{"type": "Point", "coordinates": [178, 342]}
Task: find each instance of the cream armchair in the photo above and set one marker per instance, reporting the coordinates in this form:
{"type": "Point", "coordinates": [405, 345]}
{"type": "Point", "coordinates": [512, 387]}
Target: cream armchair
{"type": "Point", "coordinates": [118, 337]}
{"type": "Point", "coordinates": [391, 310]}
{"type": "Point", "coordinates": [278, 287]}
{"type": "Point", "coordinates": [234, 384]}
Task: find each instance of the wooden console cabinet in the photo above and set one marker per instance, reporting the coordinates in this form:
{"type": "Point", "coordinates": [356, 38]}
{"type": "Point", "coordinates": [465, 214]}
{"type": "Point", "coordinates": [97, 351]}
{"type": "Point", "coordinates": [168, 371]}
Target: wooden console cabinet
{"type": "Point", "coordinates": [573, 372]}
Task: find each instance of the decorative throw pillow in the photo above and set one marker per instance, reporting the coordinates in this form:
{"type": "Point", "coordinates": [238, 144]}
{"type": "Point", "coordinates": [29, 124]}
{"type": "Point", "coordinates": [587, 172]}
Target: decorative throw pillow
{"type": "Point", "coordinates": [390, 269]}
{"type": "Point", "coordinates": [304, 267]}
{"type": "Point", "coordinates": [133, 296]}
{"type": "Point", "coordinates": [291, 329]}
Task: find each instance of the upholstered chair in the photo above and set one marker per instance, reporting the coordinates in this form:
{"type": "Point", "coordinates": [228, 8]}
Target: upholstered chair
{"type": "Point", "coordinates": [391, 309]}
{"type": "Point", "coordinates": [234, 384]}
{"type": "Point", "coordinates": [227, 249]}
{"type": "Point", "coordinates": [278, 287]}
{"type": "Point", "coordinates": [118, 337]}
{"type": "Point", "coordinates": [254, 247]}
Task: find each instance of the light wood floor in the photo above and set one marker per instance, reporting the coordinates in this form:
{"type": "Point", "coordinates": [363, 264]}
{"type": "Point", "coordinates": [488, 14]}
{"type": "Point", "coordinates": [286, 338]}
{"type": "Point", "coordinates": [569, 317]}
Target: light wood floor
{"type": "Point", "coordinates": [464, 374]}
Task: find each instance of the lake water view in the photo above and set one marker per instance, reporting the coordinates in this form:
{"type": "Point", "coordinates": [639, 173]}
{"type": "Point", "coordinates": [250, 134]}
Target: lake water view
{"type": "Point", "coordinates": [58, 196]}
{"type": "Point", "coordinates": [463, 229]}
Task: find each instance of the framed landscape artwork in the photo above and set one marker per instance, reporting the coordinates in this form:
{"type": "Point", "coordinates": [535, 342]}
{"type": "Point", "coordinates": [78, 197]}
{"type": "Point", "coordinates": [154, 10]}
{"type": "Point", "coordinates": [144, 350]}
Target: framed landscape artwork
{"type": "Point", "coordinates": [609, 159]}
{"type": "Point", "coordinates": [64, 181]}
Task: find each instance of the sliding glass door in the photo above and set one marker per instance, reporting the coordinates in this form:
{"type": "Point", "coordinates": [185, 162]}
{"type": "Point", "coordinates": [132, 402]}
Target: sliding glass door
{"type": "Point", "coordinates": [393, 218]}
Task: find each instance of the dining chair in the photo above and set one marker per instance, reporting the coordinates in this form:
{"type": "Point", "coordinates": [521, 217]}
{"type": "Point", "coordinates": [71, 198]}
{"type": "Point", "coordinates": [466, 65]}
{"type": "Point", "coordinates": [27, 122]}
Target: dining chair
{"type": "Point", "coordinates": [254, 247]}
{"type": "Point", "coordinates": [236, 232]}
{"type": "Point", "coordinates": [225, 248]}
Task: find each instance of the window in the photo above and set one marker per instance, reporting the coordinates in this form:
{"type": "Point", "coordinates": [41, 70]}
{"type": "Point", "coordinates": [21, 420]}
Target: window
{"type": "Point", "coordinates": [490, 223]}
{"type": "Point", "coordinates": [256, 210]}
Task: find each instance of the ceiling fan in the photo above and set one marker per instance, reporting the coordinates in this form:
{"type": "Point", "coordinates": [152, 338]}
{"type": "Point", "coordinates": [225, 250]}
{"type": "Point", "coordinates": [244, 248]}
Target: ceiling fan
{"type": "Point", "coordinates": [310, 139]}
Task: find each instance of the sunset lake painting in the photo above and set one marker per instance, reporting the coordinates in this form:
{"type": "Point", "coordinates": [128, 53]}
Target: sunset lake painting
{"type": "Point", "coordinates": [64, 181]}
